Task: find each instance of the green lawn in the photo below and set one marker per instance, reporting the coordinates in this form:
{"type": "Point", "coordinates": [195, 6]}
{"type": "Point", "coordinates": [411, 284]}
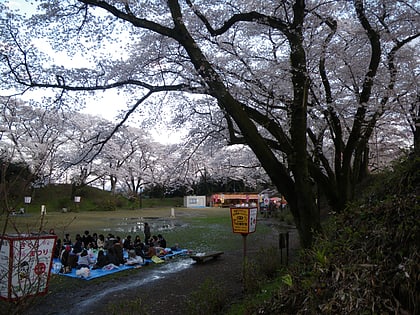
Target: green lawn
{"type": "Point", "coordinates": [200, 229]}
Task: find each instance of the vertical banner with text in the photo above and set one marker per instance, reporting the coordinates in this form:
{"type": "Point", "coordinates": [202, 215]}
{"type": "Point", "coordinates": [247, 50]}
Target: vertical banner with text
{"type": "Point", "coordinates": [25, 265]}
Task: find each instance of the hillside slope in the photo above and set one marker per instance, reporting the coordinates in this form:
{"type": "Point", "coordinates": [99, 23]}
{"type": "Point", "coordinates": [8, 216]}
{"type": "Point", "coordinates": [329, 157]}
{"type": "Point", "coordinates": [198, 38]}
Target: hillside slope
{"type": "Point", "coordinates": [59, 196]}
{"type": "Point", "coordinates": [367, 261]}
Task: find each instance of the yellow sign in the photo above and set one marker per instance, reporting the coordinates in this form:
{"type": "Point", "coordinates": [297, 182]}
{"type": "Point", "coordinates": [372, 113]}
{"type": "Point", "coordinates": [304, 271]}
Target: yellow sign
{"type": "Point", "coordinates": [244, 220]}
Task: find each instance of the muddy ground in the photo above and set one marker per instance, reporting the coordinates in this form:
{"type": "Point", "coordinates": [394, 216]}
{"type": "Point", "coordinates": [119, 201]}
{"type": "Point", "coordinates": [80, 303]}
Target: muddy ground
{"type": "Point", "coordinates": [153, 289]}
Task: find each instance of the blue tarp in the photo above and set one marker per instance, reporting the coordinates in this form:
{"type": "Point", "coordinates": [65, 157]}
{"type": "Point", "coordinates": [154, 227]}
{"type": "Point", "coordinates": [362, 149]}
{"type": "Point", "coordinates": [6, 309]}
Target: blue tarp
{"type": "Point", "coordinates": [96, 273]}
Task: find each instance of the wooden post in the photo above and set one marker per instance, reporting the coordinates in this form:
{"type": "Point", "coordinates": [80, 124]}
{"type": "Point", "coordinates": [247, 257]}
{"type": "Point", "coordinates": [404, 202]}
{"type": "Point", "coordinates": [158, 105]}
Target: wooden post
{"type": "Point", "coordinates": [244, 235]}
{"type": "Point", "coordinates": [284, 243]}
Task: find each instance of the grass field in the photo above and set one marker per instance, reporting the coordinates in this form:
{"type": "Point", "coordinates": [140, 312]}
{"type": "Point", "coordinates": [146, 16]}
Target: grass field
{"type": "Point", "coordinates": [101, 212]}
{"type": "Point", "coordinates": [195, 229]}
{"type": "Point", "coordinates": [200, 229]}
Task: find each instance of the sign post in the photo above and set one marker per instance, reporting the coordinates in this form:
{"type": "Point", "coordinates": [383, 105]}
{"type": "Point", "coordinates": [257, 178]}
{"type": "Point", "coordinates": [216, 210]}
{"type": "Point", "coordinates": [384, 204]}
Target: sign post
{"type": "Point", "coordinates": [27, 201]}
{"type": "Point", "coordinates": [244, 222]}
{"type": "Point", "coordinates": [77, 202]}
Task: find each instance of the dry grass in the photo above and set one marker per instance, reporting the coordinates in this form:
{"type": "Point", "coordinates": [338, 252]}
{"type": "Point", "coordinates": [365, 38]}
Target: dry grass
{"type": "Point", "coordinates": [367, 261]}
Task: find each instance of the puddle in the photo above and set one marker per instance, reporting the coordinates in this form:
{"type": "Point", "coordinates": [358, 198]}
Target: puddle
{"type": "Point", "coordinates": [138, 279]}
{"type": "Point", "coordinates": [126, 226]}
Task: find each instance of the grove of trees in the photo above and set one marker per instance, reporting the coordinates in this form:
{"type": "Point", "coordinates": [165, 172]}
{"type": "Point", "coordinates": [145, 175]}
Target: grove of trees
{"type": "Point", "coordinates": [311, 88]}
{"type": "Point", "coordinates": [45, 146]}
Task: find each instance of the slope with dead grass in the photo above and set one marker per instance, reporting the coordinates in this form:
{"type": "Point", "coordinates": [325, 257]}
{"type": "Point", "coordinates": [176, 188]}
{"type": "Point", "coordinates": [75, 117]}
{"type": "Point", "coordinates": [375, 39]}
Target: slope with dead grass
{"type": "Point", "coordinates": [366, 262]}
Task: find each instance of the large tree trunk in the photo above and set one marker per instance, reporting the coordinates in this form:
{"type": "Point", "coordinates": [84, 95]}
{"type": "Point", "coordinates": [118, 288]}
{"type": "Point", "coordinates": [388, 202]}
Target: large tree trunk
{"type": "Point", "coordinates": [299, 190]}
{"type": "Point", "coordinates": [417, 131]}
{"type": "Point", "coordinates": [303, 208]}
{"type": "Point", "coordinates": [306, 216]}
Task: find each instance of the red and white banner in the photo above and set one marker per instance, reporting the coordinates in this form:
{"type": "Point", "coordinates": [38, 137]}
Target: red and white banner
{"type": "Point", "coordinates": [25, 264]}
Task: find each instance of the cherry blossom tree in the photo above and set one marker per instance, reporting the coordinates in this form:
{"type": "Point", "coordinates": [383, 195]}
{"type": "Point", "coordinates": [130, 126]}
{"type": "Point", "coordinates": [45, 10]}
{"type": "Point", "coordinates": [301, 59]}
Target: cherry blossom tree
{"type": "Point", "coordinates": [302, 83]}
{"type": "Point", "coordinates": [136, 173]}
{"type": "Point", "coordinates": [33, 135]}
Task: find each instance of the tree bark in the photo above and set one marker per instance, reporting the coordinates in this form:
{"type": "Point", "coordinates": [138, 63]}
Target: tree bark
{"type": "Point", "coordinates": [298, 191]}
{"type": "Point", "coordinates": [417, 130]}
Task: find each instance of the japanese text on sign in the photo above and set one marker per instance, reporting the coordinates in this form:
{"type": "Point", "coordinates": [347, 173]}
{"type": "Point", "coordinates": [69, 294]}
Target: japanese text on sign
{"type": "Point", "coordinates": [243, 220]}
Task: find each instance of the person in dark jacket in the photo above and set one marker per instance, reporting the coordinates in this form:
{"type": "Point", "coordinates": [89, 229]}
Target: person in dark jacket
{"type": "Point", "coordinates": [112, 257]}
{"type": "Point", "coordinates": [119, 252]}
{"type": "Point", "coordinates": [128, 243]}
{"type": "Point", "coordinates": [64, 255]}
{"type": "Point", "coordinates": [87, 239]}
{"type": "Point", "coordinates": [139, 246]}
{"type": "Point", "coordinates": [78, 245]}
{"type": "Point", "coordinates": [101, 260]}
{"type": "Point", "coordinates": [161, 241]}
{"type": "Point", "coordinates": [67, 240]}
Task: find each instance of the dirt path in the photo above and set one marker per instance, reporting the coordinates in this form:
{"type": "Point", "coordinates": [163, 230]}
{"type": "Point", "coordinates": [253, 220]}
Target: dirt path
{"type": "Point", "coordinates": [158, 289]}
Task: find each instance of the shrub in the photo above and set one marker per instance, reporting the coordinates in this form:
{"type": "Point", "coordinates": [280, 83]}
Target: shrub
{"type": "Point", "coordinates": [262, 267]}
{"type": "Point", "coordinates": [208, 299]}
{"type": "Point", "coordinates": [366, 262]}
{"type": "Point", "coordinates": [106, 205]}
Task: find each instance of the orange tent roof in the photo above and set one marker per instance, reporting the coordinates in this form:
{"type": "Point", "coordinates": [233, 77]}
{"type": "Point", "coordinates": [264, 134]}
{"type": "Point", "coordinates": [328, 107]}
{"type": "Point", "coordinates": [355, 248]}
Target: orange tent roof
{"type": "Point", "coordinates": [235, 196]}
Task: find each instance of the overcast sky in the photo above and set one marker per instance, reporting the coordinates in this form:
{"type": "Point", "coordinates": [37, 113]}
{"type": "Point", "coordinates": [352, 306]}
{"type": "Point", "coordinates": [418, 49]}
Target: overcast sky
{"type": "Point", "coordinates": [106, 104]}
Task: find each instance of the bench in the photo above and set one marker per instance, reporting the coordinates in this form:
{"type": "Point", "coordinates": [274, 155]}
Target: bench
{"type": "Point", "coordinates": [203, 257]}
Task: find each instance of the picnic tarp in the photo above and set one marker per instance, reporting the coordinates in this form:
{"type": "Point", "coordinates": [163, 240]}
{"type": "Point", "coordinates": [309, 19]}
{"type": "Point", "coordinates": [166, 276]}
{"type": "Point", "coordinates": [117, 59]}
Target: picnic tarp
{"type": "Point", "coordinates": [96, 273]}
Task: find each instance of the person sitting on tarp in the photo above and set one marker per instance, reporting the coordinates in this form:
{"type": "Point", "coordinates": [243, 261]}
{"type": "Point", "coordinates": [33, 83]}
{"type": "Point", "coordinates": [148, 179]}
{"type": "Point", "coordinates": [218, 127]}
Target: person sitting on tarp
{"type": "Point", "coordinates": [86, 239]}
{"type": "Point", "coordinates": [119, 251]}
{"type": "Point", "coordinates": [128, 243]}
{"type": "Point", "coordinates": [150, 252]}
{"type": "Point", "coordinates": [67, 240]}
{"type": "Point", "coordinates": [84, 260]}
{"type": "Point", "coordinates": [175, 247]}
{"type": "Point", "coordinates": [110, 241]}
{"type": "Point", "coordinates": [58, 248]}
{"type": "Point", "coordinates": [68, 258]}
{"type": "Point", "coordinates": [161, 241]}
{"type": "Point", "coordinates": [101, 260]}
{"type": "Point", "coordinates": [78, 245]}
{"type": "Point", "coordinates": [100, 242]}
{"type": "Point", "coordinates": [154, 241]}
{"type": "Point", "coordinates": [64, 255]}
{"type": "Point", "coordinates": [139, 246]}
{"type": "Point", "coordinates": [133, 259]}
{"type": "Point", "coordinates": [112, 257]}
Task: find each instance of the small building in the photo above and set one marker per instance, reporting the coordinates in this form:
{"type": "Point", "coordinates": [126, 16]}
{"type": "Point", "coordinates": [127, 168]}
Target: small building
{"type": "Point", "coordinates": [195, 201]}
{"type": "Point", "coordinates": [232, 199]}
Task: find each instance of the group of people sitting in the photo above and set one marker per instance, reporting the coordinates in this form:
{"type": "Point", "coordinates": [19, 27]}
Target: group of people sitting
{"type": "Point", "coordinates": [97, 251]}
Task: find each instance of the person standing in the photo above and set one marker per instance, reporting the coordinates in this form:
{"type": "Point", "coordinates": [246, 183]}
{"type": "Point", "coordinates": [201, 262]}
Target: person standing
{"type": "Point", "coordinates": [147, 234]}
